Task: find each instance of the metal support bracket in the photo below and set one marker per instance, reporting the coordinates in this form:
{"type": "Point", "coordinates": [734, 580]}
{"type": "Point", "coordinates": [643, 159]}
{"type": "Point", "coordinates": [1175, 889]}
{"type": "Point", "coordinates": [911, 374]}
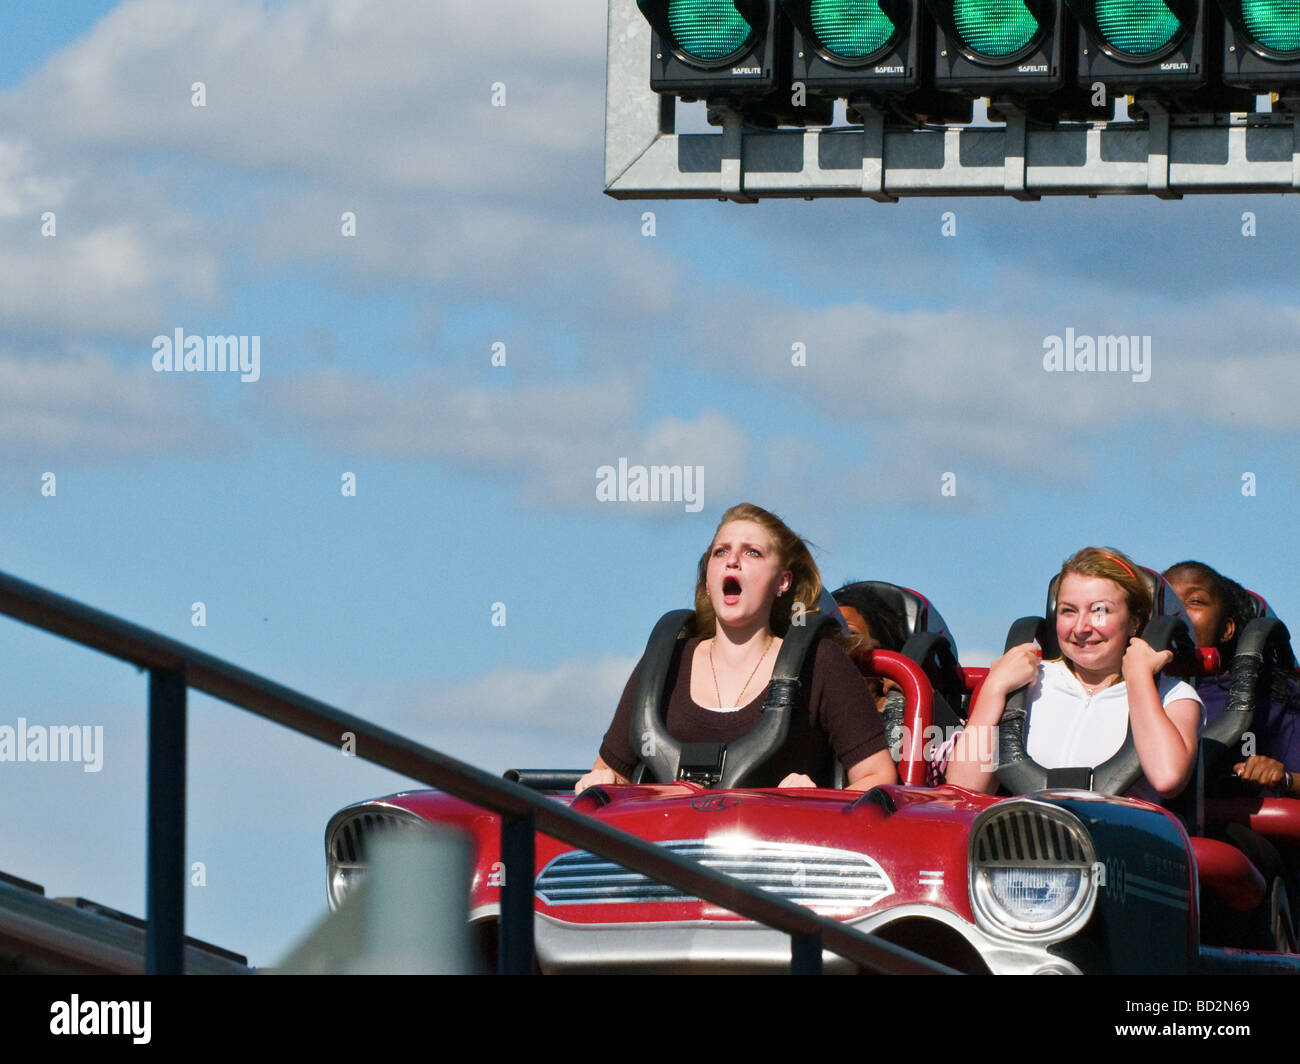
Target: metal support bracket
{"type": "Point", "coordinates": [1293, 105]}
{"type": "Point", "coordinates": [873, 154]}
{"type": "Point", "coordinates": [732, 184]}
{"type": "Point", "coordinates": [1157, 149]}
{"type": "Point", "coordinates": [1013, 159]}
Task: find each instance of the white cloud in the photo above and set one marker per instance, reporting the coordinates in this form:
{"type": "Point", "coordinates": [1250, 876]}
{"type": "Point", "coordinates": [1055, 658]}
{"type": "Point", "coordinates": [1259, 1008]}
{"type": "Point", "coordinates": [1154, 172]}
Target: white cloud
{"type": "Point", "coordinates": [23, 192]}
{"type": "Point", "coordinates": [549, 437]}
{"type": "Point", "coordinates": [355, 94]}
{"type": "Point", "coordinates": [105, 260]}
{"type": "Point", "coordinates": [928, 388]}
{"type": "Point", "coordinates": [316, 107]}
{"type": "Point", "coordinates": [511, 717]}
{"type": "Point", "coordinates": [86, 405]}
{"type": "Point", "coordinates": [312, 108]}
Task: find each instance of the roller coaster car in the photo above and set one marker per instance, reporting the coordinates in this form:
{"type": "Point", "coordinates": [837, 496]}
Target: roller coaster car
{"type": "Point", "coordinates": [1062, 879]}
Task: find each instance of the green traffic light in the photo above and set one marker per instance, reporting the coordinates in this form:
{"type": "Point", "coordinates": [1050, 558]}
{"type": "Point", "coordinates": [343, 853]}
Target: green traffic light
{"type": "Point", "coordinates": [708, 30]}
{"type": "Point", "coordinates": [996, 29]}
{"type": "Point", "coordinates": [851, 29]}
{"type": "Point", "coordinates": [1273, 23]}
{"type": "Point", "coordinates": [1138, 28]}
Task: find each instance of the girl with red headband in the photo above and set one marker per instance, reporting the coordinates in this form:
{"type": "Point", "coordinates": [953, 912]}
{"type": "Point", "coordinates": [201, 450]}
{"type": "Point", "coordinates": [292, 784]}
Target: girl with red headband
{"type": "Point", "coordinates": [1107, 679]}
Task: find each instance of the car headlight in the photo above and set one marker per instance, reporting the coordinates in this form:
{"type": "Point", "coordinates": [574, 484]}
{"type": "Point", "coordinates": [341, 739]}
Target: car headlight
{"type": "Point", "coordinates": [1031, 871]}
{"type": "Point", "coordinates": [342, 880]}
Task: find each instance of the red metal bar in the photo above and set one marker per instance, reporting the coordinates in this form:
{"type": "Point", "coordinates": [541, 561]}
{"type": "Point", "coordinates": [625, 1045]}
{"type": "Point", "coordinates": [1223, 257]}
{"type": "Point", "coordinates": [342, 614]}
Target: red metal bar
{"type": "Point", "coordinates": [1208, 663]}
{"type": "Point", "coordinates": [920, 700]}
{"type": "Point", "coordinates": [1228, 872]}
{"type": "Point", "coordinates": [1277, 819]}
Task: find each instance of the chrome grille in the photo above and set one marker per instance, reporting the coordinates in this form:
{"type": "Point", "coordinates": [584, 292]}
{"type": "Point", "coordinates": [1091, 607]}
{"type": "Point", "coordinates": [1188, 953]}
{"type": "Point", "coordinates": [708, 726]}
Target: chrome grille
{"type": "Point", "coordinates": [815, 876]}
{"type": "Point", "coordinates": [348, 843]}
{"type": "Point", "coordinates": [1032, 835]}
{"type": "Point", "coordinates": [347, 839]}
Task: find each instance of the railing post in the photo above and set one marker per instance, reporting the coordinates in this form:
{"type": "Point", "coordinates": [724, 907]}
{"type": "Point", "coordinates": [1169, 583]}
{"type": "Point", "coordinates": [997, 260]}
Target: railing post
{"type": "Point", "coordinates": [515, 942]}
{"type": "Point", "coordinates": [806, 954]}
{"type": "Point", "coordinates": [165, 880]}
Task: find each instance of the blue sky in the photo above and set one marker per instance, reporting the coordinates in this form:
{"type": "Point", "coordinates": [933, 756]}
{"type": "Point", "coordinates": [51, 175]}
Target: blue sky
{"type": "Point", "coordinates": [476, 483]}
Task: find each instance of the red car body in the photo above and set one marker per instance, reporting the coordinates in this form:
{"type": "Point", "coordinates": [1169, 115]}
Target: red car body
{"type": "Point", "coordinates": [1059, 881]}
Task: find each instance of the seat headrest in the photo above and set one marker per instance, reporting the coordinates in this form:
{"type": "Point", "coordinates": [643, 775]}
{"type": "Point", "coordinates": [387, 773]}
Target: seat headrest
{"type": "Point", "coordinates": [827, 605]}
{"type": "Point", "coordinates": [1255, 606]}
{"type": "Point", "coordinates": [913, 610]}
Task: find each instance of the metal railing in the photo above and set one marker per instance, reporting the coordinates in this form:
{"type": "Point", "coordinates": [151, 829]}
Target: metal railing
{"type": "Point", "coordinates": [174, 668]}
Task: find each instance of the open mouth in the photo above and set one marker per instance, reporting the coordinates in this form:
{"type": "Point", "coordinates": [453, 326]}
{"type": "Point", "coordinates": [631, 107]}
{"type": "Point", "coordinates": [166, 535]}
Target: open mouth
{"type": "Point", "coordinates": [730, 590]}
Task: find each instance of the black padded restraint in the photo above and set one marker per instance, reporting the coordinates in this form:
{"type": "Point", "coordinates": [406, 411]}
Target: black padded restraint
{"type": "Point", "coordinates": [746, 755]}
{"type": "Point", "coordinates": [1262, 636]}
{"type": "Point", "coordinates": [660, 754]}
{"type": "Point", "coordinates": [1021, 775]}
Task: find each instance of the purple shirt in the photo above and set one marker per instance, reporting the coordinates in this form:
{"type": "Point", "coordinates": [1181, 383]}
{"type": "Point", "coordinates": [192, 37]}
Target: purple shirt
{"type": "Point", "coordinates": [1276, 725]}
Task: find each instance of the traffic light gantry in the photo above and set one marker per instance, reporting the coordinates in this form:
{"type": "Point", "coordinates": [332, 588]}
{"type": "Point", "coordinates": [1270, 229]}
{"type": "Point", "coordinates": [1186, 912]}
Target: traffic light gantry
{"type": "Point", "coordinates": [952, 97]}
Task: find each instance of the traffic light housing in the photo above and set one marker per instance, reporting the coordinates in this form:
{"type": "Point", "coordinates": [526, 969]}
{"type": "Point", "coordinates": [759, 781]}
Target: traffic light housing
{"type": "Point", "coordinates": [996, 46]}
{"type": "Point", "coordinates": [784, 62]}
{"type": "Point", "coordinates": [1164, 50]}
{"type": "Point", "coordinates": [839, 44]}
{"type": "Point", "coordinates": [1261, 47]}
{"type": "Point", "coordinates": [1143, 46]}
{"type": "Point", "coordinates": [1013, 51]}
{"type": "Point", "coordinates": [873, 53]}
{"type": "Point", "coordinates": [702, 47]}
{"type": "Point", "coordinates": [735, 54]}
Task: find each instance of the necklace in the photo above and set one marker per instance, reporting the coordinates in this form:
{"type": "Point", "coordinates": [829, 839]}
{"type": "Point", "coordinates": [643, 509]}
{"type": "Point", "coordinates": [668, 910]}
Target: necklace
{"type": "Point", "coordinates": [740, 697]}
{"type": "Point", "coordinates": [1093, 688]}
